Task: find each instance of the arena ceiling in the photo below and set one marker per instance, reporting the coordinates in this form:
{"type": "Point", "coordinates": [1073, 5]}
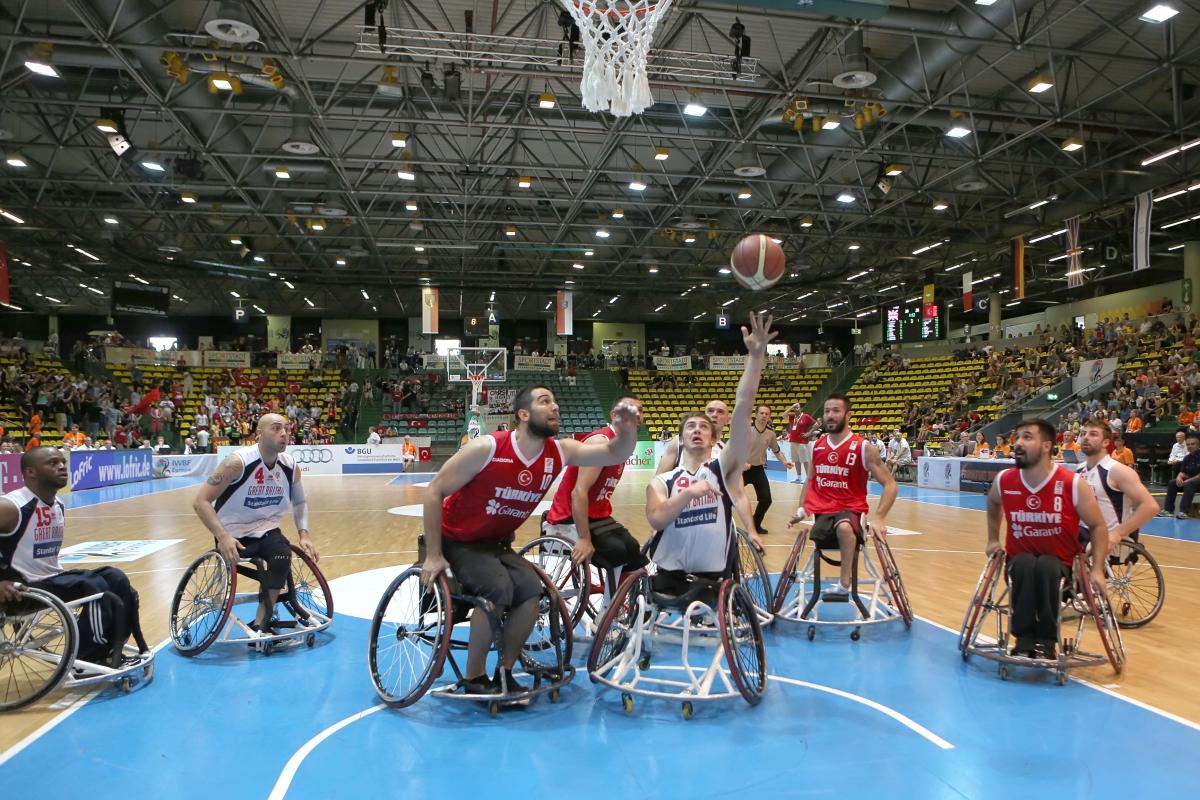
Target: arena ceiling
{"type": "Point", "coordinates": [320, 102]}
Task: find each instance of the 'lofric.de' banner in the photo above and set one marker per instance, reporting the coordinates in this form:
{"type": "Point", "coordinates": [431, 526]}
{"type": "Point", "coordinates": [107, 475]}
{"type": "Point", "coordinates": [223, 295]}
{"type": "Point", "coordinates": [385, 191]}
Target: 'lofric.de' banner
{"type": "Point", "coordinates": [92, 469]}
{"type": "Point", "coordinates": [10, 472]}
{"type": "Point", "coordinates": [342, 459]}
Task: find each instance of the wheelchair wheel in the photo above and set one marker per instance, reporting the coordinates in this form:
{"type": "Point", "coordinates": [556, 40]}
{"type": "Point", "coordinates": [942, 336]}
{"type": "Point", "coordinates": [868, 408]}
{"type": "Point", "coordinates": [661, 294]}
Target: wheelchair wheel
{"type": "Point", "coordinates": [1102, 615]}
{"type": "Point", "coordinates": [552, 555]}
{"type": "Point", "coordinates": [202, 603]}
{"type": "Point", "coordinates": [1135, 585]}
{"type": "Point", "coordinates": [891, 574]}
{"type": "Point", "coordinates": [742, 638]}
{"type": "Point", "coordinates": [753, 575]}
{"type": "Point", "coordinates": [978, 609]}
{"type": "Point", "coordinates": [38, 642]}
{"type": "Point", "coordinates": [410, 635]}
{"type": "Point", "coordinates": [787, 578]}
{"type": "Point", "coordinates": [308, 591]}
{"type": "Point", "coordinates": [550, 642]}
{"type": "Point", "coordinates": [612, 634]}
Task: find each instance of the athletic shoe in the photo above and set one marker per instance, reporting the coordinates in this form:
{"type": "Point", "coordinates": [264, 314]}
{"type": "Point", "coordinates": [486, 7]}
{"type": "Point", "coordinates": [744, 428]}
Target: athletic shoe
{"type": "Point", "coordinates": [1024, 648]}
{"type": "Point", "coordinates": [481, 685]}
{"type": "Point", "coordinates": [1044, 649]}
{"type": "Point", "coordinates": [1166, 512]}
{"type": "Point", "coordinates": [510, 682]}
{"type": "Point", "coordinates": [1180, 515]}
{"type": "Point", "coordinates": [763, 531]}
{"type": "Point", "coordinates": [837, 590]}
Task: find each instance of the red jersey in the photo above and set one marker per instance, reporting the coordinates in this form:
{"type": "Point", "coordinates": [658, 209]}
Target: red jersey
{"type": "Point", "coordinates": [599, 494]}
{"type": "Point", "coordinates": [504, 494]}
{"type": "Point", "coordinates": [839, 481]}
{"type": "Point", "coordinates": [798, 427]}
{"type": "Point", "coordinates": [1043, 520]}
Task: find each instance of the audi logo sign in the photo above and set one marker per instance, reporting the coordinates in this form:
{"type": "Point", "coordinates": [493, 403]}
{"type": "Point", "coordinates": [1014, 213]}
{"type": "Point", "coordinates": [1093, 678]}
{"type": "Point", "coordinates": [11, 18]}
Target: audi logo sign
{"type": "Point", "coordinates": [311, 455]}
{"type": "Point", "coordinates": [325, 459]}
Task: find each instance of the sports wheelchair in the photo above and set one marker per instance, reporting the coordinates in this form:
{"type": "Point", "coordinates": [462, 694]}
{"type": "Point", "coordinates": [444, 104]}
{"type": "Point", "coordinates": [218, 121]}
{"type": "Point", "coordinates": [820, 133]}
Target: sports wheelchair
{"type": "Point", "coordinates": [991, 600]}
{"type": "Point", "coordinates": [799, 598]}
{"type": "Point", "coordinates": [413, 636]}
{"type": "Point", "coordinates": [203, 605]}
{"type": "Point", "coordinates": [1136, 591]}
{"type": "Point", "coordinates": [39, 643]}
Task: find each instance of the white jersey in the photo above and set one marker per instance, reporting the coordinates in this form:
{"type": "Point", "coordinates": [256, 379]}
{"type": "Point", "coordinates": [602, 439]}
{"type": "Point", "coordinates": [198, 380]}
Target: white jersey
{"type": "Point", "coordinates": [32, 547]}
{"type": "Point", "coordinates": [258, 498]}
{"type": "Point", "coordinates": [700, 538]}
{"type": "Point", "coordinates": [1112, 502]}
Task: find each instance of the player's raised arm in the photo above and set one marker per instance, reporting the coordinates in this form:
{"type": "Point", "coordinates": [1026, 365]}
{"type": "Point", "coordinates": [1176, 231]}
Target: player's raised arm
{"type": "Point", "coordinates": [626, 419]}
{"type": "Point", "coordinates": [454, 474]}
{"type": "Point", "coordinates": [733, 457]}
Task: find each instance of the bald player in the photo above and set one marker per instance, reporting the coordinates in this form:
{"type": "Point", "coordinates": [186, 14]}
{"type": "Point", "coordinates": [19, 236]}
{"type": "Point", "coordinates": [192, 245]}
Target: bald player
{"type": "Point", "coordinates": [243, 502]}
{"type": "Point", "coordinates": [718, 412]}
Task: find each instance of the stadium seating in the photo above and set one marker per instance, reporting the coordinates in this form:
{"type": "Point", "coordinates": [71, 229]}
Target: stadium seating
{"type": "Point", "coordinates": [880, 406]}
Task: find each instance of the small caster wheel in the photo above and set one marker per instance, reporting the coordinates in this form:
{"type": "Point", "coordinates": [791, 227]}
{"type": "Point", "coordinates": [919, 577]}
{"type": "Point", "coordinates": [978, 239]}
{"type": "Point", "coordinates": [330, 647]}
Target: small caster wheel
{"type": "Point", "coordinates": [148, 672]}
{"type": "Point", "coordinates": [126, 685]}
{"type": "Point", "coordinates": [268, 648]}
{"type": "Point", "coordinates": [627, 703]}
{"type": "Point", "coordinates": [687, 709]}
{"type": "Point", "coordinates": [644, 662]}
{"type": "Point", "coordinates": [1004, 673]}
{"type": "Point", "coordinates": [855, 635]}
{"type": "Point", "coordinates": [493, 709]}
{"type": "Point", "coordinates": [1062, 678]}
{"type": "Point", "coordinates": [555, 696]}
{"type": "Point", "coordinates": [812, 632]}
{"type": "Point", "coordinates": [310, 640]}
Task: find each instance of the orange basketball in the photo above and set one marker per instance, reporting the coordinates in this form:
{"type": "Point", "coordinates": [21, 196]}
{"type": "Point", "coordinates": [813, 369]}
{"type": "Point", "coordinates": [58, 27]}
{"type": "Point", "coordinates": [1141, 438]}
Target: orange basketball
{"type": "Point", "coordinates": [757, 262]}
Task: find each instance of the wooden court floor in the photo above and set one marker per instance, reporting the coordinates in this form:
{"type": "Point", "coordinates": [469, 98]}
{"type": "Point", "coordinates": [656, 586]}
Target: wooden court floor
{"type": "Point", "coordinates": [355, 532]}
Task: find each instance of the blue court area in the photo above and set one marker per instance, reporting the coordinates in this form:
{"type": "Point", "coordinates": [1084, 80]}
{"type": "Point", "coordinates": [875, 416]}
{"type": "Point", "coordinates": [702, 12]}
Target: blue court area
{"type": "Point", "coordinates": [895, 713]}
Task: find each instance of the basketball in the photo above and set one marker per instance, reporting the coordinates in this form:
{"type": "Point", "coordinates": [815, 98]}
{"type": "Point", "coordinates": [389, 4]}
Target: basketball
{"type": "Point", "coordinates": [757, 262]}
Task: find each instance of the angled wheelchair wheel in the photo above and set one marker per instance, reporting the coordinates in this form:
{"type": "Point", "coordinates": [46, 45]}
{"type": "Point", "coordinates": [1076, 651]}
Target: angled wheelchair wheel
{"type": "Point", "coordinates": [308, 592]}
{"type": "Point", "coordinates": [742, 638]}
{"type": "Point", "coordinates": [575, 584]}
{"type": "Point", "coordinates": [1106, 625]}
{"type": "Point", "coordinates": [613, 632]}
{"type": "Point", "coordinates": [410, 635]}
{"type": "Point", "coordinates": [891, 575]}
{"type": "Point", "coordinates": [753, 575]}
{"type": "Point", "coordinates": [550, 643]}
{"type": "Point", "coordinates": [1136, 590]}
{"type": "Point", "coordinates": [790, 573]}
{"type": "Point", "coordinates": [981, 600]}
{"type": "Point", "coordinates": [38, 642]}
{"type": "Point", "coordinates": [202, 603]}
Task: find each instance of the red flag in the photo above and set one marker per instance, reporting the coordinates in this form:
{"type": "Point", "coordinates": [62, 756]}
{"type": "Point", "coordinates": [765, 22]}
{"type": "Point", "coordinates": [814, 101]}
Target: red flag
{"type": "Point", "coordinates": [150, 398]}
{"type": "Point", "coordinates": [968, 302]}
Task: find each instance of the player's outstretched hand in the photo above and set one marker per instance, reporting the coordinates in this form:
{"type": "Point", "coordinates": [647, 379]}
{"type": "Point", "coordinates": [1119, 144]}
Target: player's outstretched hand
{"type": "Point", "coordinates": [627, 416]}
{"type": "Point", "coordinates": [758, 334]}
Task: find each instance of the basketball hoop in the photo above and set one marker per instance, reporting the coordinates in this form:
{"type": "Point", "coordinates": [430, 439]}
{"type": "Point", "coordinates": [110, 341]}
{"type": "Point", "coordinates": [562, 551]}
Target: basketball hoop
{"type": "Point", "coordinates": [616, 45]}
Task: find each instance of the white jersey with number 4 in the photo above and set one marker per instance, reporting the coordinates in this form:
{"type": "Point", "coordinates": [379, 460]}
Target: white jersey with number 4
{"type": "Point", "coordinates": [258, 498]}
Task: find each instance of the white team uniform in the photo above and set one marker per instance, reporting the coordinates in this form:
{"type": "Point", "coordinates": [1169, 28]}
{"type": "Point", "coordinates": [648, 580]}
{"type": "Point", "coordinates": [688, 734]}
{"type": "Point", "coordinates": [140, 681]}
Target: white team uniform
{"type": "Point", "coordinates": [1113, 504]}
{"type": "Point", "coordinates": [259, 498]}
{"type": "Point", "coordinates": [32, 547]}
{"type": "Point", "coordinates": [700, 538]}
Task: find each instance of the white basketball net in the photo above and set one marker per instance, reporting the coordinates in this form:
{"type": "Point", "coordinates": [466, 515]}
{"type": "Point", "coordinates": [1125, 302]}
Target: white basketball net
{"type": "Point", "coordinates": [616, 44]}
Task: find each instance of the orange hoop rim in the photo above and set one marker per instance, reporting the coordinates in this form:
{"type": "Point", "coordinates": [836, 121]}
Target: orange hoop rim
{"type": "Point", "coordinates": [590, 10]}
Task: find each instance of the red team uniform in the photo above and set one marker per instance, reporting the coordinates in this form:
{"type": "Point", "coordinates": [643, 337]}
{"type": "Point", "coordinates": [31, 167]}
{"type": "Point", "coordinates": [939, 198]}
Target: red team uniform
{"type": "Point", "coordinates": [838, 488]}
{"type": "Point", "coordinates": [798, 427]}
{"type": "Point", "coordinates": [1042, 521]}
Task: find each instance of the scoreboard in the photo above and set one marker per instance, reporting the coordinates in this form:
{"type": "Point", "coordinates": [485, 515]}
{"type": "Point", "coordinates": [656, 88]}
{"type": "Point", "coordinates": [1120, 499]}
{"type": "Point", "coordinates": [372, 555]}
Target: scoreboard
{"type": "Point", "coordinates": [917, 323]}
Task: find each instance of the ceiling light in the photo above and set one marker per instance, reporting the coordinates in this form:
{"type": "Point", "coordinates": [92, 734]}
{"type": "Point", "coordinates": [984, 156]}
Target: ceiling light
{"type": "Point", "coordinates": [985, 2]}
{"type": "Point", "coordinates": [618, 213]}
{"type": "Point", "coordinates": [11, 216]}
{"type": "Point", "coordinates": [410, 205]}
{"type": "Point", "coordinates": [282, 173]}
{"type": "Point", "coordinates": [235, 294]}
{"type": "Point", "coordinates": [940, 205]}
{"type": "Point", "coordinates": [602, 234]}
{"type": "Point", "coordinates": [577, 266]}
{"type": "Point", "coordinates": [729, 302]}
{"type": "Point", "coordinates": [492, 298]}
{"type": "Point", "coordinates": [614, 299]}
{"type": "Point", "coordinates": [854, 246]}
{"type": "Point", "coordinates": [405, 173]}
{"type": "Point", "coordinates": [1175, 193]}
{"type": "Point", "coordinates": [689, 238]}
{"type": "Point", "coordinates": [187, 197]}
{"type": "Point", "coordinates": [845, 197]}
{"type": "Point", "coordinates": [83, 252]}
{"type": "Point", "coordinates": [636, 185]}
{"type": "Point", "coordinates": [341, 262]}
{"type": "Point", "coordinates": [1046, 236]}
{"type": "Point", "coordinates": [858, 275]}
{"type": "Point", "coordinates": [806, 294]}
{"type": "Point", "coordinates": [42, 69]}
{"type": "Point", "coordinates": [234, 240]}
{"type": "Point", "coordinates": [510, 231]}
{"type": "Point", "coordinates": [704, 285]}
{"type": "Point", "coordinates": [1160, 12]}
{"type": "Point", "coordinates": [260, 309]}
{"type": "Point", "coordinates": [40, 61]}
{"type": "Point", "coordinates": [862, 314]}
{"type": "Point", "coordinates": [112, 221]}
{"type": "Point", "coordinates": [806, 222]}
{"type": "Point", "coordinates": [317, 225]}
{"type": "Point", "coordinates": [1173, 151]}
{"type": "Point", "coordinates": [1013, 303]}
{"type": "Point", "coordinates": [1072, 144]}
{"type": "Point", "coordinates": [660, 308]}
{"type": "Point", "coordinates": [273, 274]}
{"type": "Point", "coordinates": [958, 132]}
{"type": "Point", "coordinates": [653, 270]}
{"type": "Point", "coordinates": [701, 314]}
{"type": "Point", "coordinates": [1040, 83]}
{"type": "Point", "coordinates": [928, 247]}
{"type": "Point", "coordinates": [399, 139]}
{"type": "Point", "coordinates": [570, 282]}
{"type": "Point", "coordinates": [695, 108]}
{"type": "Point", "coordinates": [889, 288]}
{"type": "Point", "coordinates": [744, 193]}
{"type": "Point", "coordinates": [776, 240]}
{"type": "Point", "coordinates": [589, 252]}
{"type": "Point", "coordinates": [831, 123]}
{"type": "Point", "coordinates": [524, 182]}
{"type": "Point", "coordinates": [661, 154]}
{"type": "Point", "coordinates": [547, 100]}
{"type": "Point", "coordinates": [419, 249]}
{"type": "Point", "coordinates": [725, 271]}
{"type": "Point", "coordinates": [94, 290]}
{"type": "Point", "coordinates": [224, 82]}
{"type": "Point", "coordinates": [16, 160]}
{"type": "Point", "coordinates": [364, 294]}
{"type": "Point", "coordinates": [1037, 204]}
{"type": "Point", "coordinates": [259, 259]}
{"type": "Point", "coordinates": [596, 313]}
{"type": "Point", "coordinates": [142, 281]}
{"type": "Point", "coordinates": [152, 166]}
{"type": "Point", "coordinates": [288, 284]}
{"type": "Point", "coordinates": [311, 304]}
{"type": "Point", "coordinates": [105, 125]}
{"type": "Point", "coordinates": [1175, 247]}
{"type": "Point", "coordinates": [892, 170]}
{"type": "Point", "coordinates": [548, 304]}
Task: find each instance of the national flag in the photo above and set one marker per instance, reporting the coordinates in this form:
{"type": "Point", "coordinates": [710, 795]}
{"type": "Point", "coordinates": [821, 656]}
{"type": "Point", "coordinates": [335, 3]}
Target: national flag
{"type": "Point", "coordinates": [1018, 259]}
{"type": "Point", "coordinates": [967, 300]}
{"type": "Point", "coordinates": [1143, 204]}
{"type": "Point", "coordinates": [429, 309]}
{"type": "Point", "coordinates": [564, 314]}
{"type": "Point", "coordinates": [1075, 262]}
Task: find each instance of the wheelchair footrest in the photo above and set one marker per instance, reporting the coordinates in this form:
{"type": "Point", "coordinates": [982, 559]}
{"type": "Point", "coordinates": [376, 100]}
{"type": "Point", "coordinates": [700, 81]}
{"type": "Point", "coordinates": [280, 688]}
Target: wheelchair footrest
{"type": "Point", "coordinates": [834, 597]}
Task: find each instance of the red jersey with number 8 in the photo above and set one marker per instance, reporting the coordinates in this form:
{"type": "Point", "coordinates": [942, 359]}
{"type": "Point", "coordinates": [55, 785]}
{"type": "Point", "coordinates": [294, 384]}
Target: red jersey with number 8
{"type": "Point", "coordinates": [599, 493]}
{"type": "Point", "coordinates": [1042, 520]}
{"type": "Point", "coordinates": [839, 476]}
{"type": "Point", "coordinates": [504, 494]}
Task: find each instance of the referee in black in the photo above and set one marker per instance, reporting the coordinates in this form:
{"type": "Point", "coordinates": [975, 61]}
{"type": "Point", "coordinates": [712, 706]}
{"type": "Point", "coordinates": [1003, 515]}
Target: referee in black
{"type": "Point", "coordinates": [756, 471]}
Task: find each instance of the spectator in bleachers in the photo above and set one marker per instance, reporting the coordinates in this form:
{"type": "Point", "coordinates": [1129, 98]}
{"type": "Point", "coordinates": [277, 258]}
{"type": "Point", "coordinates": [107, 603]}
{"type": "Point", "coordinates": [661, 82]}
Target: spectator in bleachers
{"type": "Point", "coordinates": [979, 447]}
{"type": "Point", "coordinates": [899, 454]}
{"type": "Point", "coordinates": [161, 448]}
{"type": "Point", "coordinates": [1001, 449]}
{"type": "Point", "coordinates": [1135, 423]}
{"type": "Point", "coordinates": [202, 436]}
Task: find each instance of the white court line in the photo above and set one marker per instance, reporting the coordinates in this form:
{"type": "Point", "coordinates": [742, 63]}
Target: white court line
{"type": "Point", "coordinates": [284, 782]}
{"type": "Point", "coordinates": [62, 716]}
{"type": "Point", "coordinates": [1098, 687]}
{"type": "Point", "coordinates": [907, 722]}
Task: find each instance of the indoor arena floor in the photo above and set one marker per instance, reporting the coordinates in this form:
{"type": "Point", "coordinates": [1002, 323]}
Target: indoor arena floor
{"type": "Point", "coordinates": [895, 712]}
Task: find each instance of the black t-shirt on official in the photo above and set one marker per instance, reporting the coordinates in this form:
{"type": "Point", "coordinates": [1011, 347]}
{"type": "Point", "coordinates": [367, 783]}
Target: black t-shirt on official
{"type": "Point", "coordinates": [1190, 466]}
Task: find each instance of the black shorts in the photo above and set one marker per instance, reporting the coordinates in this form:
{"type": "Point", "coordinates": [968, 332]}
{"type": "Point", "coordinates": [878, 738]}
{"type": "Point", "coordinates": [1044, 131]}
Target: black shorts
{"type": "Point", "coordinates": [676, 582]}
{"type": "Point", "coordinates": [493, 571]}
{"type": "Point", "coordinates": [824, 528]}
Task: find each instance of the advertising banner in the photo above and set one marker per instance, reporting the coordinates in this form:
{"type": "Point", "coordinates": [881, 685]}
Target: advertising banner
{"type": "Point", "coordinates": [673, 363]}
{"type": "Point", "coordinates": [182, 466]}
{"type": "Point", "coordinates": [938, 473]}
{"type": "Point", "coordinates": [342, 459]}
{"type": "Point", "coordinates": [297, 360]}
{"type": "Point", "coordinates": [92, 469]}
{"type": "Point", "coordinates": [727, 362]}
{"type": "Point", "coordinates": [539, 363]}
{"type": "Point", "coordinates": [226, 359]}
{"type": "Point", "coordinates": [1092, 372]}
{"type": "Point", "coordinates": [644, 456]}
{"type": "Point", "coordinates": [10, 472]}
{"type": "Point", "coordinates": [128, 355]}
